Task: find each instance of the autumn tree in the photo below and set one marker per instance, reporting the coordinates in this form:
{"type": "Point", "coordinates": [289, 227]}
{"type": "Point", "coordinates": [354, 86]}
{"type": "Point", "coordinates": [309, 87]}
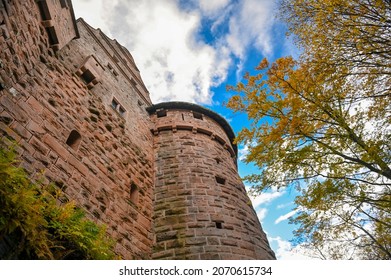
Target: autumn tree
{"type": "Point", "coordinates": [323, 124]}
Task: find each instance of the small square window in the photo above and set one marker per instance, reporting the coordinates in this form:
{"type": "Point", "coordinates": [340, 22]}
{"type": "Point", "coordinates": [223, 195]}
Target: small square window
{"type": "Point", "coordinates": [117, 106]}
{"type": "Point", "coordinates": [197, 115]}
{"type": "Point", "coordinates": [134, 83]}
{"type": "Point", "coordinates": [74, 140]}
{"type": "Point", "coordinates": [87, 76]}
{"type": "Point", "coordinates": [220, 180]}
{"type": "Point", "coordinates": [90, 71]}
{"type": "Point", "coordinates": [161, 113]}
{"type": "Point", "coordinates": [219, 225]}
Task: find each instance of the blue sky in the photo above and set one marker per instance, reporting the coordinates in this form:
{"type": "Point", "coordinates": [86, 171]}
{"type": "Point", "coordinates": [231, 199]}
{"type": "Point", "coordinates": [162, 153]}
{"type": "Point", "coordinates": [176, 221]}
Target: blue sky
{"type": "Point", "coordinates": [189, 51]}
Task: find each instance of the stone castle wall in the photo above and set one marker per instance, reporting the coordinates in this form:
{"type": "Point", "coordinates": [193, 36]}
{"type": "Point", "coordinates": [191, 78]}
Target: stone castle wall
{"type": "Point", "coordinates": [81, 116]}
{"type": "Point", "coordinates": [109, 170]}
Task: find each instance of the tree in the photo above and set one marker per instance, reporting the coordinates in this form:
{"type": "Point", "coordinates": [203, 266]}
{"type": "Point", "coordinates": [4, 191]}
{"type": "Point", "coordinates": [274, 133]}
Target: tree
{"type": "Point", "coordinates": [323, 124]}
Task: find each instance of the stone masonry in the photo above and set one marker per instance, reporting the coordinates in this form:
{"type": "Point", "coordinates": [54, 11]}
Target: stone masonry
{"type": "Point", "coordinates": [162, 177]}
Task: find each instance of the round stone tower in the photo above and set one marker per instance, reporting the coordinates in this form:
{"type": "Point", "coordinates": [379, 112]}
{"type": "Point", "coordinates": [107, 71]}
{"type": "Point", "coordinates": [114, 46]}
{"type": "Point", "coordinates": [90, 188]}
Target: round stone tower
{"type": "Point", "coordinates": [201, 208]}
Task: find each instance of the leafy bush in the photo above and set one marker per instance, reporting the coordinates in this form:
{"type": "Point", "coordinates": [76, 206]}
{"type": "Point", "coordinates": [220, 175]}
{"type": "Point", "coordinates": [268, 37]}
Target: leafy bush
{"type": "Point", "coordinates": [35, 225]}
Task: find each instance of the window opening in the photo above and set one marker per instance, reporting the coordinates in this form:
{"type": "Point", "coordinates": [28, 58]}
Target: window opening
{"type": "Point", "coordinates": [74, 140]}
{"type": "Point", "coordinates": [183, 117]}
{"type": "Point", "coordinates": [117, 106]}
{"type": "Point", "coordinates": [133, 193]}
{"type": "Point", "coordinates": [114, 104]}
{"type": "Point", "coordinates": [197, 115]}
{"type": "Point", "coordinates": [219, 225]}
{"type": "Point", "coordinates": [90, 72]}
{"type": "Point", "coordinates": [121, 110]}
{"type": "Point", "coordinates": [87, 76]}
{"type": "Point", "coordinates": [64, 3]}
{"type": "Point", "coordinates": [134, 83]}
{"type": "Point", "coordinates": [161, 113]}
{"type": "Point", "coordinates": [44, 10]}
{"type": "Point", "coordinates": [220, 180]}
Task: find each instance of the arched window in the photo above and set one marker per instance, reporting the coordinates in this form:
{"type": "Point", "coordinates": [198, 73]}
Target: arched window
{"type": "Point", "coordinates": [74, 140]}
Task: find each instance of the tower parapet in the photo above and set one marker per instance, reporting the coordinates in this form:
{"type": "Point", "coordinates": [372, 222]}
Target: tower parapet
{"type": "Point", "coordinates": [201, 208]}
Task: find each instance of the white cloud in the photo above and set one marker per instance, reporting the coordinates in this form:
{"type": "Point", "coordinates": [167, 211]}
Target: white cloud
{"type": "Point", "coordinates": [262, 199]}
{"type": "Point", "coordinates": [174, 61]}
{"type": "Point", "coordinates": [252, 26]}
{"type": "Point", "coordinates": [285, 251]}
{"type": "Point", "coordinates": [284, 205]}
{"type": "Point", "coordinates": [265, 197]}
{"type": "Point", "coordinates": [261, 213]}
{"type": "Point", "coordinates": [91, 12]}
{"type": "Point", "coordinates": [212, 7]}
{"type": "Point", "coordinates": [286, 216]}
{"type": "Point", "coordinates": [161, 38]}
{"type": "Point", "coordinates": [243, 152]}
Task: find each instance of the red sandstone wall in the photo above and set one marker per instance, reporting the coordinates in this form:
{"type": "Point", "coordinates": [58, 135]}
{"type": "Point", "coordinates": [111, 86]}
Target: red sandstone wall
{"type": "Point", "coordinates": [58, 18]}
{"type": "Point", "coordinates": [42, 101]}
{"type": "Point", "coordinates": [22, 41]}
{"type": "Point", "coordinates": [197, 217]}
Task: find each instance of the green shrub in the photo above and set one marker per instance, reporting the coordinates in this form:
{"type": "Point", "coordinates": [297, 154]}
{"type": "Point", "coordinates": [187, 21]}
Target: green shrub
{"type": "Point", "coordinates": [35, 225]}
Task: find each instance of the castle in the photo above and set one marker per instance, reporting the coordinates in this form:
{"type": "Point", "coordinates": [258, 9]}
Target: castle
{"type": "Point", "coordinates": [162, 177]}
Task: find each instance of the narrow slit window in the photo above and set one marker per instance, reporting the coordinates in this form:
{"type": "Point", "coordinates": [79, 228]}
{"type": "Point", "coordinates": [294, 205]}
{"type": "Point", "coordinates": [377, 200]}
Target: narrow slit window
{"type": "Point", "coordinates": [44, 10]}
{"type": "Point", "coordinates": [74, 140]}
{"type": "Point", "coordinates": [220, 180]}
{"type": "Point", "coordinates": [114, 104]}
{"type": "Point", "coordinates": [197, 115]}
{"type": "Point", "coordinates": [133, 194]}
